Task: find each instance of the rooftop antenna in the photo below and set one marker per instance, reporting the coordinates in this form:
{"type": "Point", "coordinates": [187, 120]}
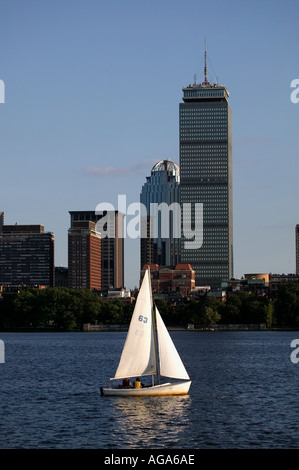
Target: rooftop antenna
{"type": "Point", "coordinates": [206, 67]}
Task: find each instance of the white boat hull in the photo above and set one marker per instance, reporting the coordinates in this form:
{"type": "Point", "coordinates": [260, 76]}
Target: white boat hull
{"type": "Point", "coordinates": [176, 388]}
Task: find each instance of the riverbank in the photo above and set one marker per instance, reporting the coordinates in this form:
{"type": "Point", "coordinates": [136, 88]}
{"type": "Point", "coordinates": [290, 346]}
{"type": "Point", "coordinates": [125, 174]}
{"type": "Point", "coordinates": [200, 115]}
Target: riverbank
{"type": "Point", "coordinates": [124, 328]}
{"type": "Point", "coordinates": [190, 327]}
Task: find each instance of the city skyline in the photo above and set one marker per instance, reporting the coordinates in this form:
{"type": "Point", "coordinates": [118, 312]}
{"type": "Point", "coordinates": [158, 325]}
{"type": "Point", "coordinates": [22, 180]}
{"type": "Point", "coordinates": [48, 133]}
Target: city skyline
{"type": "Point", "coordinates": [92, 103]}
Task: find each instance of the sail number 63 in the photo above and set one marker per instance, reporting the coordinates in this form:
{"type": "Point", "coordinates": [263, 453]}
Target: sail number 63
{"type": "Point", "coordinates": [142, 319]}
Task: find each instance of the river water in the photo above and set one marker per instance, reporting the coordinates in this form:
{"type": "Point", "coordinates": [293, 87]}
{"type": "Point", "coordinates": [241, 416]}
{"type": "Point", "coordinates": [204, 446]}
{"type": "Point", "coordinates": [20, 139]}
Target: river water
{"type": "Point", "coordinates": [244, 394]}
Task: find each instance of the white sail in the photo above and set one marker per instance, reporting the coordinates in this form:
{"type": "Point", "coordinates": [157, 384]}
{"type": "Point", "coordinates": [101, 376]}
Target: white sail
{"type": "Point", "coordinates": [171, 364]}
{"type": "Point", "coordinates": [139, 352]}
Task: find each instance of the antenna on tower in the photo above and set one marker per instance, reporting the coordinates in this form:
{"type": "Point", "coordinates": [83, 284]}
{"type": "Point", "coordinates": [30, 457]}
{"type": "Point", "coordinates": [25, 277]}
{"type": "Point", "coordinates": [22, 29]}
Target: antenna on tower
{"type": "Point", "coordinates": [206, 67]}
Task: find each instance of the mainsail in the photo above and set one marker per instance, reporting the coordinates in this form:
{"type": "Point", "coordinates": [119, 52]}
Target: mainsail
{"type": "Point", "coordinates": [139, 353]}
{"type": "Point", "coordinates": [171, 364]}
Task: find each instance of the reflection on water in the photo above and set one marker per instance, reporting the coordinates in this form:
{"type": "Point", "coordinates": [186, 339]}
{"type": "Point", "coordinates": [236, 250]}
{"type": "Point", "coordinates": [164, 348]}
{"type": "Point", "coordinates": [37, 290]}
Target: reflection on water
{"type": "Point", "coordinates": [152, 422]}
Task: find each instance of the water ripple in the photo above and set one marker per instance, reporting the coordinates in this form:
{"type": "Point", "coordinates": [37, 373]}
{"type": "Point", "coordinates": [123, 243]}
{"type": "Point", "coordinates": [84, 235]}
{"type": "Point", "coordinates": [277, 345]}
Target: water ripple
{"type": "Point", "coordinates": [244, 394]}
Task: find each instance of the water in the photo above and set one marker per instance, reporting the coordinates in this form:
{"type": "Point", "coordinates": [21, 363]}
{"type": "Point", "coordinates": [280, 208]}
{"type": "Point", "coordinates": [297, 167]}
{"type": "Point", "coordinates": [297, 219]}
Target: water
{"type": "Point", "coordinates": [244, 394]}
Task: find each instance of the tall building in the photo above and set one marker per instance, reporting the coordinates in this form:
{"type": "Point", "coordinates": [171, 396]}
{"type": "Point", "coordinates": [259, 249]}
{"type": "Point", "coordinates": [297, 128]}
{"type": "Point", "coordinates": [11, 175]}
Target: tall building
{"type": "Point", "coordinates": [161, 187]}
{"type": "Point", "coordinates": [112, 248]}
{"type": "Point", "coordinates": [206, 177]}
{"type": "Point", "coordinates": [84, 256]}
{"type": "Point", "coordinates": [1, 220]}
{"type": "Point", "coordinates": [297, 248]}
{"type": "Point", "coordinates": [113, 255]}
{"type": "Point", "coordinates": [26, 256]}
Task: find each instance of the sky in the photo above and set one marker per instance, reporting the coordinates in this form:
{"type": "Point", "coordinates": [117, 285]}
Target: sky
{"type": "Point", "coordinates": [92, 93]}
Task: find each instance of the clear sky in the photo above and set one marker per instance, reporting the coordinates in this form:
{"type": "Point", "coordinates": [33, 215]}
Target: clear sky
{"type": "Point", "coordinates": [92, 93]}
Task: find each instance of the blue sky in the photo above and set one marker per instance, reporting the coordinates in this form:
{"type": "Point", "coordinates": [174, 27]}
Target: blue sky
{"type": "Point", "coordinates": [92, 93]}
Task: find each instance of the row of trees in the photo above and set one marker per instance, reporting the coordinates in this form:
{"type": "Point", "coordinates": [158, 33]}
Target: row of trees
{"type": "Point", "coordinates": [67, 309]}
{"type": "Point", "coordinates": [60, 307]}
{"type": "Point", "coordinates": [243, 307]}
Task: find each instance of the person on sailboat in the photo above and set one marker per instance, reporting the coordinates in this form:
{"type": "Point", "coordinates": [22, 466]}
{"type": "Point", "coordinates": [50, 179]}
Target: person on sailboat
{"type": "Point", "coordinates": [126, 383]}
{"type": "Point", "coordinates": [137, 383]}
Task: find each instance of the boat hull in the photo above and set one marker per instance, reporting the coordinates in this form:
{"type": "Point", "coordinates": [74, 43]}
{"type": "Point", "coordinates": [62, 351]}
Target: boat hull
{"type": "Point", "coordinates": [177, 388]}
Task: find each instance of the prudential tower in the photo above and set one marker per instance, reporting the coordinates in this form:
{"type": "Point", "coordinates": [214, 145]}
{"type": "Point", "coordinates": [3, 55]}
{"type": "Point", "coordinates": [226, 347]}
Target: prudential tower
{"type": "Point", "coordinates": [206, 177]}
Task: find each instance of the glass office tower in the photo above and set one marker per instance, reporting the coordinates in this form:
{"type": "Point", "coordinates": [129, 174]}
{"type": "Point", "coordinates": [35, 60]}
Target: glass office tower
{"type": "Point", "coordinates": [162, 187]}
{"type": "Point", "coordinates": [206, 177]}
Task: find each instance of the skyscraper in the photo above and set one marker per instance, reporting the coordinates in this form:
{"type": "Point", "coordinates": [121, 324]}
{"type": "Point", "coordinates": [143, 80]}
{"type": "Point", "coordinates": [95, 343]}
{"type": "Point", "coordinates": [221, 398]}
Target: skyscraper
{"type": "Point", "coordinates": [84, 256]}
{"type": "Point", "coordinates": [26, 255]}
{"type": "Point", "coordinates": [206, 177]}
{"type": "Point", "coordinates": [112, 248]}
{"type": "Point", "coordinates": [162, 187]}
{"type": "Point", "coordinates": [113, 253]}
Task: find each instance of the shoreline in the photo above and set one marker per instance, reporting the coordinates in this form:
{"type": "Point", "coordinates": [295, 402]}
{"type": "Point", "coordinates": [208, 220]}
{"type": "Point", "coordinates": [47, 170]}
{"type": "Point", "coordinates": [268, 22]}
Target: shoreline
{"type": "Point", "coordinates": [124, 329]}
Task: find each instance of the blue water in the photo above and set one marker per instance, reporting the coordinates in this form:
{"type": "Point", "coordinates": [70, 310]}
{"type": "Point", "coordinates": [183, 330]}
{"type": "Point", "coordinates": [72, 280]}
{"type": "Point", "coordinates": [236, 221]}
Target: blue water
{"type": "Point", "coordinates": [244, 394]}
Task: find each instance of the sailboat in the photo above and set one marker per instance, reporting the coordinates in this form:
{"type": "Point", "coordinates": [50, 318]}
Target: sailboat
{"type": "Point", "coordinates": [149, 351]}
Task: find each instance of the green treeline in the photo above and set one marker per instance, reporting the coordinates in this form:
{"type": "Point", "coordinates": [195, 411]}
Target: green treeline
{"type": "Point", "coordinates": [66, 309]}
{"type": "Point", "coordinates": [61, 308]}
{"type": "Point", "coordinates": [243, 307]}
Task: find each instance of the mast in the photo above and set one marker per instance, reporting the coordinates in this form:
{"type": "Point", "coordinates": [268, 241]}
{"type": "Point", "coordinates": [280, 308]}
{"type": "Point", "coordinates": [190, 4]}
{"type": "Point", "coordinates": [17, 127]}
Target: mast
{"type": "Point", "coordinates": [156, 343]}
{"type": "Point", "coordinates": [206, 66]}
{"type": "Point", "coordinates": [154, 330]}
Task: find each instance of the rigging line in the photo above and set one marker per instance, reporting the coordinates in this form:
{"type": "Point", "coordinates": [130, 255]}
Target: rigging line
{"type": "Point", "coordinates": [215, 76]}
